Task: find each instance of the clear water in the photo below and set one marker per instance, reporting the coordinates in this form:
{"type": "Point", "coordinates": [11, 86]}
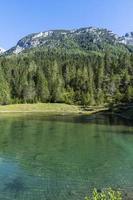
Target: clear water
{"type": "Point", "coordinates": [63, 158]}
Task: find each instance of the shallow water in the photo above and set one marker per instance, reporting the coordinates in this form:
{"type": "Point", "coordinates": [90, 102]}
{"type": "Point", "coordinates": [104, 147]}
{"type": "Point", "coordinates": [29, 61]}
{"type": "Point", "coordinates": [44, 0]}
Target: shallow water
{"type": "Point", "coordinates": [63, 157]}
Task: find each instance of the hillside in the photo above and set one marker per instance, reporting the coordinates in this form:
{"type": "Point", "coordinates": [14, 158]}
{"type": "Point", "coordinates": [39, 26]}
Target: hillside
{"type": "Point", "coordinates": [85, 66]}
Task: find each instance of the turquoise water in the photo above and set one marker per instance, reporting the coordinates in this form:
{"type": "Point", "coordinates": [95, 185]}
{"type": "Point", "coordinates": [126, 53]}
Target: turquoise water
{"type": "Point", "coordinates": [63, 158]}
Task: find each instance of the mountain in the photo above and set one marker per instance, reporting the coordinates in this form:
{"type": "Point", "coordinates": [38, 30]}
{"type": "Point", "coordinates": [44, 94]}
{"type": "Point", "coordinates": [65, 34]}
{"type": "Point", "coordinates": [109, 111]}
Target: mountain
{"type": "Point", "coordinates": [128, 38]}
{"type": "Point", "coordinates": [83, 39]}
{"type": "Point", "coordinates": [2, 50]}
{"type": "Point", "coordinates": [87, 66]}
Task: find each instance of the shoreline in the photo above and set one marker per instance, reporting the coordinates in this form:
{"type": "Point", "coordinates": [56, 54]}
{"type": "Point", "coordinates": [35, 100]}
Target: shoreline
{"type": "Point", "coordinates": [63, 109]}
{"type": "Point", "coordinates": [50, 108]}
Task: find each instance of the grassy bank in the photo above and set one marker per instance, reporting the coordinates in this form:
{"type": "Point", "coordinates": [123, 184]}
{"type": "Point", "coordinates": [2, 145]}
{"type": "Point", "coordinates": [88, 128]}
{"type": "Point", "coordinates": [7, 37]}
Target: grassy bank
{"type": "Point", "coordinates": [125, 111]}
{"type": "Point", "coordinates": [49, 108]}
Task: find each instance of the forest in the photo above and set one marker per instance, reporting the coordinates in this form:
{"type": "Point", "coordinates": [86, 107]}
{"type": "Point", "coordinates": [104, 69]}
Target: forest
{"type": "Point", "coordinates": [72, 77]}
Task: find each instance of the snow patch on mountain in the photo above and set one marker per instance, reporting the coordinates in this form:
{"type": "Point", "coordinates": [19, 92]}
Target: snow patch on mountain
{"type": "Point", "coordinates": [2, 50]}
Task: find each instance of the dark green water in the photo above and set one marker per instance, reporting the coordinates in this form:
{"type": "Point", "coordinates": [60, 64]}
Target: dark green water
{"type": "Point", "coordinates": [62, 158]}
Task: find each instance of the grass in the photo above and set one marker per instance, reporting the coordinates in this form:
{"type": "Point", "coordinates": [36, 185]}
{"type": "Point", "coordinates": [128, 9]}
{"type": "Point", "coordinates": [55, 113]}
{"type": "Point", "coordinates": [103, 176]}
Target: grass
{"type": "Point", "coordinates": [48, 108]}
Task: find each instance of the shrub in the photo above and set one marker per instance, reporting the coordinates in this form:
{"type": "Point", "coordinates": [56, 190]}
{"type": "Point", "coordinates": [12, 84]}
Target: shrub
{"type": "Point", "coordinates": [107, 194]}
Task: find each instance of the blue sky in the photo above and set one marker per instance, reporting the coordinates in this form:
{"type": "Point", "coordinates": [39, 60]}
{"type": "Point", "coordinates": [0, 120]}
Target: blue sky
{"type": "Point", "coordinates": [21, 17]}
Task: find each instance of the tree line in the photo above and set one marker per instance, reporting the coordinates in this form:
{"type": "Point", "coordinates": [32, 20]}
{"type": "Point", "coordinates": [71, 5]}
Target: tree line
{"type": "Point", "coordinates": [91, 78]}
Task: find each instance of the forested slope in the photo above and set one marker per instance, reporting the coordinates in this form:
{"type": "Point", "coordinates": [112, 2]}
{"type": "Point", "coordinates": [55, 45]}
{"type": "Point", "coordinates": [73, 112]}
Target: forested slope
{"type": "Point", "coordinates": [88, 68]}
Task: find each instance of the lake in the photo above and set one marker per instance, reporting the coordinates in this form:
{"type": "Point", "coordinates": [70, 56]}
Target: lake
{"type": "Point", "coordinates": [63, 157]}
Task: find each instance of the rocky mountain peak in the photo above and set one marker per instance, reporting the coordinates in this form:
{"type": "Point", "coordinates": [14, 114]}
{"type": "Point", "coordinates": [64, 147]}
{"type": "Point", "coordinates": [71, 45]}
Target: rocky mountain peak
{"type": "Point", "coordinates": [83, 38]}
{"type": "Point", "coordinates": [129, 38]}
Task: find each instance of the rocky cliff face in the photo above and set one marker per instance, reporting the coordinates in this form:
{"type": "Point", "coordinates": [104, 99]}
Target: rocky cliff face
{"type": "Point", "coordinates": [128, 38]}
{"type": "Point", "coordinates": [83, 38]}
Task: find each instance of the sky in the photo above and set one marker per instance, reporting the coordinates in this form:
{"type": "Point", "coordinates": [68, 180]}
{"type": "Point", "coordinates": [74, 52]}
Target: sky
{"type": "Point", "coordinates": [21, 17]}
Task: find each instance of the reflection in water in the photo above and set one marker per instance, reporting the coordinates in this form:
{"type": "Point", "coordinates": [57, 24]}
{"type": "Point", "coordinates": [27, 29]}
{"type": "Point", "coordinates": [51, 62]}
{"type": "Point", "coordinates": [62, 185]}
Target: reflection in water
{"type": "Point", "coordinates": [63, 157]}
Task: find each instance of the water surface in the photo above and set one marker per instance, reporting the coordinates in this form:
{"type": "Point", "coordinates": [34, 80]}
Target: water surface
{"type": "Point", "coordinates": [63, 157]}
